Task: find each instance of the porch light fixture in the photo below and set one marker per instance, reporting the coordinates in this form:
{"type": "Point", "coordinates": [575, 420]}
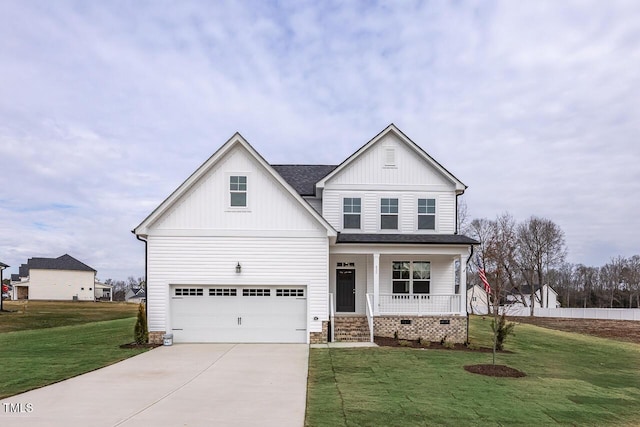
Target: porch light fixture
{"type": "Point", "coordinates": [238, 268]}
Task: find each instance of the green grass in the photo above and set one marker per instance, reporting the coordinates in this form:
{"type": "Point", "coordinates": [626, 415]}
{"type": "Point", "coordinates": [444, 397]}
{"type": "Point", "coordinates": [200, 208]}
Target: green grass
{"type": "Point", "coordinates": [35, 358]}
{"type": "Point", "coordinates": [24, 315]}
{"type": "Point", "coordinates": [573, 380]}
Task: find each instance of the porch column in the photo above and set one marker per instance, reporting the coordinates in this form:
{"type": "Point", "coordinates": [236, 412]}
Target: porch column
{"type": "Point", "coordinates": [463, 284]}
{"type": "Point", "coordinates": [376, 284]}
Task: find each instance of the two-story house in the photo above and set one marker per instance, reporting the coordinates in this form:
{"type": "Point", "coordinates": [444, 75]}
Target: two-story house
{"type": "Point", "coordinates": [63, 278]}
{"type": "Point", "coordinates": [245, 251]}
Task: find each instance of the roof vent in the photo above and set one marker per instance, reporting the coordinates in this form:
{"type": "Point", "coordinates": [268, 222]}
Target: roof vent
{"type": "Point", "coordinates": [389, 156]}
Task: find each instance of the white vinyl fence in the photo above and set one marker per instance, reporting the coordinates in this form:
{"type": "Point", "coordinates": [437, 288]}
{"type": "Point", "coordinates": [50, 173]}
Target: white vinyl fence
{"type": "Point", "coordinates": [577, 313]}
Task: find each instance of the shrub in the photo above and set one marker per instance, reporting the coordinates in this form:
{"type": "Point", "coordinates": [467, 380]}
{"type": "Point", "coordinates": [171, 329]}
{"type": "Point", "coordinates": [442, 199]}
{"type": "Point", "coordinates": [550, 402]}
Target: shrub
{"type": "Point", "coordinates": [140, 331]}
{"type": "Point", "coordinates": [502, 330]}
{"type": "Point", "coordinates": [424, 342]}
{"type": "Point", "coordinates": [472, 346]}
{"type": "Point", "coordinates": [404, 343]}
{"type": "Point", "coordinates": [449, 344]}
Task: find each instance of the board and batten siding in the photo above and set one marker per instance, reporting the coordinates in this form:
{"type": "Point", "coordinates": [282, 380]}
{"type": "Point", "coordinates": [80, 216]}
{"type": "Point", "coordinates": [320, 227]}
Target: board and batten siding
{"type": "Point", "coordinates": [370, 169]}
{"type": "Point", "coordinates": [206, 205]}
{"type": "Point", "coordinates": [407, 210]}
{"type": "Point", "coordinates": [286, 261]}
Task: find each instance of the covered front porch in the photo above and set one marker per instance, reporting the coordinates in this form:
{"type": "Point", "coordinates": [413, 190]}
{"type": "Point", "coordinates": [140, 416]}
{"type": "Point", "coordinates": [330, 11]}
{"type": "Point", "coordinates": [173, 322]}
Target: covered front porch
{"type": "Point", "coordinates": [398, 288]}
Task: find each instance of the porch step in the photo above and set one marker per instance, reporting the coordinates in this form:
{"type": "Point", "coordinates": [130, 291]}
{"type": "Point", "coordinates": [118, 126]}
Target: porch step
{"type": "Point", "coordinates": [351, 329]}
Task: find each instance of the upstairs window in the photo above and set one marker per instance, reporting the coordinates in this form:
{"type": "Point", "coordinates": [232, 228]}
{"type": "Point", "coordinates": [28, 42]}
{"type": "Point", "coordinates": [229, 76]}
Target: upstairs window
{"type": "Point", "coordinates": [238, 188]}
{"type": "Point", "coordinates": [389, 214]}
{"type": "Point", "coordinates": [351, 207]}
{"type": "Point", "coordinates": [426, 214]}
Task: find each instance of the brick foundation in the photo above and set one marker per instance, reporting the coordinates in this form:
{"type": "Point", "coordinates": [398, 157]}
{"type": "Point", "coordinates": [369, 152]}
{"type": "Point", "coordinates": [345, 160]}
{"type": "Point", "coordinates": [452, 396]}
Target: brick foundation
{"type": "Point", "coordinates": [425, 327]}
{"type": "Point", "coordinates": [320, 337]}
{"type": "Point", "coordinates": [351, 329]}
{"type": "Point", "coordinates": [156, 337]}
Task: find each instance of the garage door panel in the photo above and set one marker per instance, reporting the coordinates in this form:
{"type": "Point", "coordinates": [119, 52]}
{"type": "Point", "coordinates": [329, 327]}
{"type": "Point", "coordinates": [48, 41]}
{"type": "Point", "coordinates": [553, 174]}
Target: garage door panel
{"type": "Point", "coordinates": [240, 314]}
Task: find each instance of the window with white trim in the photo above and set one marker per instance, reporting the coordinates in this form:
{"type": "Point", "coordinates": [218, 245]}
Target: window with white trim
{"type": "Point", "coordinates": [426, 214]}
{"type": "Point", "coordinates": [388, 214]}
{"type": "Point", "coordinates": [351, 209]}
{"type": "Point", "coordinates": [411, 277]}
{"type": "Point", "coordinates": [238, 191]}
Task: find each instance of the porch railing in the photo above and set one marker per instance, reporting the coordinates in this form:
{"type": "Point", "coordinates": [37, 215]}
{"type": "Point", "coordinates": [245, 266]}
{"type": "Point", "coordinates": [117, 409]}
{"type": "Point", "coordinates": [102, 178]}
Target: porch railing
{"type": "Point", "coordinates": [370, 315]}
{"type": "Point", "coordinates": [419, 304]}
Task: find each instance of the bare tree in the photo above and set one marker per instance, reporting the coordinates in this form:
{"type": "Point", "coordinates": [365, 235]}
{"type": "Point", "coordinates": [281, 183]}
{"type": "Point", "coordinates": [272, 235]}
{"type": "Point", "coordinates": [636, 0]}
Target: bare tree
{"type": "Point", "coordinates": [462, 216]}
{"type": "Point", "coordinates": [541, 245]}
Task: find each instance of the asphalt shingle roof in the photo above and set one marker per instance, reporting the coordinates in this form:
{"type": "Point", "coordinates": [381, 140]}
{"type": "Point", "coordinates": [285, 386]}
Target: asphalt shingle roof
{"type": "Point", "coordinates": [420, 239]}
{"type": "Point", "coordinates": [64, 262]}
{"type": "Point", "coordinates": [303, 178]}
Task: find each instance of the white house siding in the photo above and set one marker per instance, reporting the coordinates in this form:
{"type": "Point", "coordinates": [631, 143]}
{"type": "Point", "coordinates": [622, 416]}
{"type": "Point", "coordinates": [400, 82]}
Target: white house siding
{"type": "Point", "coordinates": [370, 168]}
{"type": "Point", "coordinates": [181, 260]}
{"type": "Point", "coordinates": [206, 205]}
{"type": "Point", "coordinates": [61, 284]}
{"type": "Point", "coordinates": [407, 210]}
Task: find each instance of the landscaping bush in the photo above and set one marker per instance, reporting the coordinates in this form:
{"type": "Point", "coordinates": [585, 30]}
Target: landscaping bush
{"type": "Point", "coordinates": [502, 330]}
{"type": "Point", "coordinates": [140, 332]}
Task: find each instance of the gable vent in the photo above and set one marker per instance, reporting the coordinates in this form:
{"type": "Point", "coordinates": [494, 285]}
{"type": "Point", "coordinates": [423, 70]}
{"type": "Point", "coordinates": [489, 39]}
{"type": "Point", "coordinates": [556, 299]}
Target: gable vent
{"type": "Point", "coordinates": [389, 156]}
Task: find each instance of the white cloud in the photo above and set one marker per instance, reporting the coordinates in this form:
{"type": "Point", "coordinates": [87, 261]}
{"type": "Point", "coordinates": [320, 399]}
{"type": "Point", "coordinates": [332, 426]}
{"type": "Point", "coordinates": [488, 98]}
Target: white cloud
{"type": "Point", "coordinates": [108, 107]}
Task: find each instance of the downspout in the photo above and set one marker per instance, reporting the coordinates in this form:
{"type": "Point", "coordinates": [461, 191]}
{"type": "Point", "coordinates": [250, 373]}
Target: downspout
{"type": "Point", "coordinates": [146, 302]}
{"type": "Point", "coordinates": [456, 230]}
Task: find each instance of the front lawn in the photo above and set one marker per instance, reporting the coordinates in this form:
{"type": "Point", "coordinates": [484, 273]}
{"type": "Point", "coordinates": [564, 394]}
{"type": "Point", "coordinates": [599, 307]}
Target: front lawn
{"type": "Point", "coordinates": [571, 380]}
{"type": "Point", "coordinates": [35, 358]}
{"type": "Point", "coordinates": [23, 315]}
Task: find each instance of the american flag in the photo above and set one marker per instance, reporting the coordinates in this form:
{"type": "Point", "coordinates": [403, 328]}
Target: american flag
{"type": "Point", "coordinates": [483, 277]}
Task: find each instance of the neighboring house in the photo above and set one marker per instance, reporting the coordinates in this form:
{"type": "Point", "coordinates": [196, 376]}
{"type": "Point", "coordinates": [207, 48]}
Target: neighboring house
{"type": "Point", "coordinates": [245, 251]}
{"type": "Point", "coordinates": [521, 297]}
{"type": "Point", "coordinates": [102, 292]}
{"type": "Point", "coordinates": [63, 278]}
{"type": "Point", "coordinates": [136, 295]}
{"type": "Point", "coordinates": [477, 300]}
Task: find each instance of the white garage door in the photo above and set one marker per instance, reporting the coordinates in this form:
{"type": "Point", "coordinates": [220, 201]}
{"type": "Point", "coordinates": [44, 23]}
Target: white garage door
{"type": "Point", "coordinates": [239, 314]}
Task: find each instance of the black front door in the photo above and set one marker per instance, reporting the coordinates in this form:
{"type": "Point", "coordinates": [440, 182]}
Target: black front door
{"type": "Point", "coordinates": [345, 290]}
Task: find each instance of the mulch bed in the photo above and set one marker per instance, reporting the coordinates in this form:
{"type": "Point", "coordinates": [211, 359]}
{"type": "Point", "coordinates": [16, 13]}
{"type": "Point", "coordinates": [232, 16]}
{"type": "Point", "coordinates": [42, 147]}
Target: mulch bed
{"type": "Point", "coordinates": [495, 371]}
{"type": "Point", "coordinates": [136, 345]}
{"type": "Point", "coordinates": [433, 345]}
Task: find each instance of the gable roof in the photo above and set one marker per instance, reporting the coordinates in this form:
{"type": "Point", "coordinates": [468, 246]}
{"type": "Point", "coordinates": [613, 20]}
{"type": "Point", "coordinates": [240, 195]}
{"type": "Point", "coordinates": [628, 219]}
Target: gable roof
{"type": "Point", "coordinates": [64, 262]}
{"type": "Point", "coordinates": [234, 141]}
{"type": "Point", "coordinates": [303, 178]}
{"type": "Point", "coordinates": [460, 186]}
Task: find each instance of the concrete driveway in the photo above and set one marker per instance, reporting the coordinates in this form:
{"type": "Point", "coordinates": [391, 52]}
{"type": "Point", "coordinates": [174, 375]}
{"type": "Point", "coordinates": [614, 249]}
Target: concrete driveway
{"type": "Point", "coordinates": [182, 385]}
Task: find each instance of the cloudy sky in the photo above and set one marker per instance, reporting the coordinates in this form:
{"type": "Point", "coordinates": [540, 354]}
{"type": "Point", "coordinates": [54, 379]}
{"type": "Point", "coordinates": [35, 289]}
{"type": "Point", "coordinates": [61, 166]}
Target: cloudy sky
{"type": "Point", "coordinates": [106, 107]}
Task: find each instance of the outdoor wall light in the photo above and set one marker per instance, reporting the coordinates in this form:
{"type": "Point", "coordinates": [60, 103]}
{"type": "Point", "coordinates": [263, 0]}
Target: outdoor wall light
{"type": "Point", "coordinates": [238, 268]}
